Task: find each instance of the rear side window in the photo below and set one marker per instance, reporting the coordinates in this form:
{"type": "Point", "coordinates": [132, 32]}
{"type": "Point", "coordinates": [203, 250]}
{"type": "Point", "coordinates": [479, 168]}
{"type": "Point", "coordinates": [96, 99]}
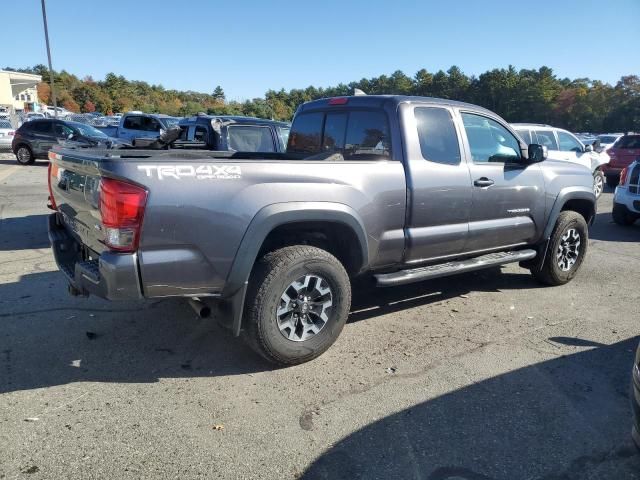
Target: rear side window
{"type": "Point", "coordinates": [437, 135]}
{"type": "Point", "coordinates": [547, 139]}
{"type": "Point", "coordinates": [250, 139]}
{"type": "Point", "coordinates": [41, 127]}
{"type": "Point", "coordinates": [628, 141]}
{"type": "Point", "coordinates": [133, 123]}
{"type": "Point", "coordinates": [200, 134]}
{"type": "Point", "coordinates": [306, 135]}
{"type": "Point", "coordinates": [525, 135]}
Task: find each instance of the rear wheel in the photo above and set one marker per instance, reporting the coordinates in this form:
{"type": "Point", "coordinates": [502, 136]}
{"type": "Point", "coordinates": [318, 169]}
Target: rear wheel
{"type": "Point", "coordinates": [566, 251]}
{"type": "Point", "coordinates": [598, 183]}
{"type": "Point", "coordinates": [297, 304]}
{"type": "Point", "coordinates": [622, 216]}
{"type": "Point", "coordinates": [24, 155]}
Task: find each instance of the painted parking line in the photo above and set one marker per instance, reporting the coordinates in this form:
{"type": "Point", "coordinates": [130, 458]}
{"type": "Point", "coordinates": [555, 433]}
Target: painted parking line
{"type": "Point", "coordinates": [7, 173]}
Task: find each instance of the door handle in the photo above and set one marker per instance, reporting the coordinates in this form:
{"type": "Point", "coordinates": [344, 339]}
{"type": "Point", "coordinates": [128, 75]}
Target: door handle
{"type": "Point", "coordinates": [483, 182]}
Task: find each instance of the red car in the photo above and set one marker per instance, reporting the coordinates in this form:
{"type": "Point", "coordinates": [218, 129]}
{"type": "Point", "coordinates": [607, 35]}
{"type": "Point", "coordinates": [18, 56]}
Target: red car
{"type": "Point", "coordinates": [622, 154]}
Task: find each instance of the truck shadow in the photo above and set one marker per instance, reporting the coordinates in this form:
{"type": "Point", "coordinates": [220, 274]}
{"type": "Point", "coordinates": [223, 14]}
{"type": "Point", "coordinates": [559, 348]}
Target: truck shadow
{"type": "Point", "coordinates": [51, 338]}
{"type": "Point", "coordinates": [607, 230]}
{"type": "Point", "coordinates": [22, 233]}
{"type": "Point", "coordinates": [562, 419]}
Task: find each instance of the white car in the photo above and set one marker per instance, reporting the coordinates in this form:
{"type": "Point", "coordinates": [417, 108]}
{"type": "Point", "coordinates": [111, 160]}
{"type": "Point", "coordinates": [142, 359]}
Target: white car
{"type": "Point", "coordinates": [6, 134]}
{"type": "Point", "coordinates": [565, 146]}
{"type": "Point", "coordinates": [49, 112]}
{"type": "Point", "coordinates": [608, 139]}
{"type": "Point", "coordinates": [626, 200]}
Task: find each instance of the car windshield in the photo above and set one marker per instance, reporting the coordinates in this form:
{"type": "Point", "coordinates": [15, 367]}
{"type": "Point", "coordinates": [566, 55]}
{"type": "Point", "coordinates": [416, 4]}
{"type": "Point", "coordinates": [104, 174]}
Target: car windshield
{"type": "Point", "coordinates": [628, 141]}
{"type": "Point", "coordinates": [87, 130]}
{"type": "Point", "coordinates": [169, 121]}
{"type": "Point", "coordinates": [607, 138]}
{"type": "Point", "coordinates": [4, 124]}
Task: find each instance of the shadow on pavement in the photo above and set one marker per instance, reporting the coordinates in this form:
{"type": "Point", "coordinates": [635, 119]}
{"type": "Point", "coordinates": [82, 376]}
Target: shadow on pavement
{"type": "Point", "coordinates": [21, 233]}
{"type": "Point", "coordinates": [563, 419]}
{"type": "Point", "coordinates": [606, 229]}
{"type": "Point", "coordinates": [369, 301]}
{"type": "Point", "coordinates": [38, 163]}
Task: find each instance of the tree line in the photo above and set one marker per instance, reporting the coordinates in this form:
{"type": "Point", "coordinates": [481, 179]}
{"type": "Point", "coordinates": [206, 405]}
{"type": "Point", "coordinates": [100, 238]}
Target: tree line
{"type": "Point", "coordinates": [537, 96]}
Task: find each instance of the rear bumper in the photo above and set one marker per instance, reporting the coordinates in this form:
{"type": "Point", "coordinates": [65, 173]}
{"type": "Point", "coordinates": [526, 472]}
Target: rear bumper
{"type": "Point", "coordinates": [113, 276]}
{"type": "Point", "coordinates": [630, 200]}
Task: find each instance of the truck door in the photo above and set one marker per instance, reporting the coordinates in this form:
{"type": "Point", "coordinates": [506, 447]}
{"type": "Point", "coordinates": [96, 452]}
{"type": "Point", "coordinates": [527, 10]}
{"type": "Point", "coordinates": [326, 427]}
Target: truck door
{"type": "Point", "coordinates": [508, 194]}
{"type": "Point", "coordinates": [438, 182]}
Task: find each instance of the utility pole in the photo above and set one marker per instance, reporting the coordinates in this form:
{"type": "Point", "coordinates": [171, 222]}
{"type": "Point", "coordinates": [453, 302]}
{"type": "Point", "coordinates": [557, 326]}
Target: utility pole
{"type": "Point", "coordinates": [46, 37]}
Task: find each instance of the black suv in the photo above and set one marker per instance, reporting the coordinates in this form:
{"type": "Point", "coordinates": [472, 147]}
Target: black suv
{"type": "Point", "coordinates": [34, 139]}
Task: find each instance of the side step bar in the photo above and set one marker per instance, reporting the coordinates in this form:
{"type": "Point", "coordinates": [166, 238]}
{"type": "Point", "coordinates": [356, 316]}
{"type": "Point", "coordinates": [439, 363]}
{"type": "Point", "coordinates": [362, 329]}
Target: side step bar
{"type": "Point", "coordinates": [451, 268]}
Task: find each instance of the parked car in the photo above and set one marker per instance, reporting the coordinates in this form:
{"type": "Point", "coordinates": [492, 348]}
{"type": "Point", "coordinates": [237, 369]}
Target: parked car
{"type": "Point", "coordinates": [4, 112]}
{"type": "Point", "coordinates": [6, 134]}
{"type": "Point", "coordinates": [50, 112]}
{"type": "Point", "coordinates": [608, 139]}
{"type": "Point", "coordinates": [235, 133]}
{"type": "Point", "coordinates": [34, 139]}
{"type": "Point", "coordinates": [405, 188]}
{"type": "Point", "coordinates": [626, 200]}
{"type": "Point", "coordinates": [622, 153]}
{"type": "Point", "coordinates": [635, 398]}
{"type": "Point", "coordinates": [140, 125]}
{"type": "Point", "coordinates": [27, 117]}
{"type": "Point", "coordinates": [565, 146]}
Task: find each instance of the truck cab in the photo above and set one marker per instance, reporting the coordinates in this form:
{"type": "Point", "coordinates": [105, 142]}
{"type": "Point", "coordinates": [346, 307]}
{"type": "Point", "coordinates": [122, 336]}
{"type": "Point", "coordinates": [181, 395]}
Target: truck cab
{"type": "Point", "coordinates": [143, 125]}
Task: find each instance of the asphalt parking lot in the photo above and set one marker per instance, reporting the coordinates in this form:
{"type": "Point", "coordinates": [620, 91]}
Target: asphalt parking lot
{"type": "Point", "coordinates": [481, 376]}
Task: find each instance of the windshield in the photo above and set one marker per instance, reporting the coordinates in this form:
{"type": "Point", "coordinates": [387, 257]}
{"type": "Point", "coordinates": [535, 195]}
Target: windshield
{"type": "Point", "coordinates": [87, 130]}
{"type": "Point", "coordinates": [169, 121]}
{"type": "Point", "coordinates": [607, 138]}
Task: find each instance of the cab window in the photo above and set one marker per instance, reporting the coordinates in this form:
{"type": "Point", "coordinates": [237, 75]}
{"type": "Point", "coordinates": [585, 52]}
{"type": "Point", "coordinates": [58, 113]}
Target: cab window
{"type": "Point", "coordinates": [489, 141]}
{"type": "Point", "coordinates": [437, 135]}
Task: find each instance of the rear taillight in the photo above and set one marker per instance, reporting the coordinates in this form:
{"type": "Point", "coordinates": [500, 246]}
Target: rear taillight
{"type": "Point", "coordinates": [52, 173]}
{"type": "Point", "coordinates": [122, 209]}
{"type": "Point", "coordinates": [623, 175]}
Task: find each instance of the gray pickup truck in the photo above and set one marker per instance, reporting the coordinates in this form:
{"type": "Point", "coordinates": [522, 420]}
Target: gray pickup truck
{"type": "Point", "coordinates": [401, 188]}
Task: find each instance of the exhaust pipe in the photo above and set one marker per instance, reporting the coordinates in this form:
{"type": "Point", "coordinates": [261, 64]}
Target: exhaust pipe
{"type": "Point", "coordinates": [201, 309]}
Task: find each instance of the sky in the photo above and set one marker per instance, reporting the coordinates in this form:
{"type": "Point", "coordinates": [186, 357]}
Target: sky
{"type": "Point", "coordinates": [250, 46]}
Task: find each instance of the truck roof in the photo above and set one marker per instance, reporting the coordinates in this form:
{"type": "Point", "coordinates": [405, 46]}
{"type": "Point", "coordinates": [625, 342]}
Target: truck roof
{"type": "Point", "coordinates": [378, 101]}
{"type": "Point", "coordinates": [235, 119]}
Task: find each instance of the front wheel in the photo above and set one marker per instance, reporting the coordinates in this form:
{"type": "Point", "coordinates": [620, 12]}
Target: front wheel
{"type": "Point", "coordinates": [621, 215]}
{"type": "Point", "coordinates": [297, 304]}
{"type": "Point", "coordinates": [598, 183]}
{"type": "Point", "coordinates": [566, 251]}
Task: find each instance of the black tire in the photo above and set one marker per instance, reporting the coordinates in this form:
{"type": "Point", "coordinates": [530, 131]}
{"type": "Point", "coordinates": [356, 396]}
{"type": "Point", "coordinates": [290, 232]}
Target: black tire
{"type": "Point", "coordinates": [24, 155]}
{"type": "Point", "coordinates": [613, 181]}
{"type": "Point", "coordinates": [551, 273]}
{"type": "Point", "coordinates": [273, 276]}
{"type": "Point", "coordinates": [622, 216]}
{"type": "Point", "coordinates": [598, 183]}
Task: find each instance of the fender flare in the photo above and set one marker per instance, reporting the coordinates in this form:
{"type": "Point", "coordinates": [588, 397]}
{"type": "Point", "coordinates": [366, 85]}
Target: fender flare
{"type": "Point", "coordinates": [566, 194]}
{"type": "Point", "coordinates": [269, 218]}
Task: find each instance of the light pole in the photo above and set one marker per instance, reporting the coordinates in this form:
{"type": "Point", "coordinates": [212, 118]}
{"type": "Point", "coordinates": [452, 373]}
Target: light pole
{"type": "Point", "coordinates": [46, 37]}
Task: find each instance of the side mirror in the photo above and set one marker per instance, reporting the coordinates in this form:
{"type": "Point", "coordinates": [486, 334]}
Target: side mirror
{"type": "Point", "coordinates": [588, 148]}
{"type": "Point", "coordinates": [537, 153]}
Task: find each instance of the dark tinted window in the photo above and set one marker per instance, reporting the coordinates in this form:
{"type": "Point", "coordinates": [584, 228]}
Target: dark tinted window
{"type": "Point", "coordinates": [250, 139]}
{"type": "Point", "coordinates": [133, 123]}
{"type": "Point", "coordinates": [200, 134]}
{"type": "Point", "coordinates": [628, 141]}
{"type": "Point", "coordinates": [367, 136]}
{"type": "Point", "coordinates": [335, 126]}
{"type": "Point", "coordinates": [61, 130]}
{"type": "Point", "coordinates": [547, 139]}
{"type": "Point", "coordinates": [41, 127]}
{"type": "Point", "coordinates": [437, 135]}
{"type": "Point", "coordinates": [489, 141]}
{"type": "Point", "coordinates": [305, 134]}
{"type": "Point", "coordinates": [147, 124]}
{"type": "Point", "coordinates": [525, 135]}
